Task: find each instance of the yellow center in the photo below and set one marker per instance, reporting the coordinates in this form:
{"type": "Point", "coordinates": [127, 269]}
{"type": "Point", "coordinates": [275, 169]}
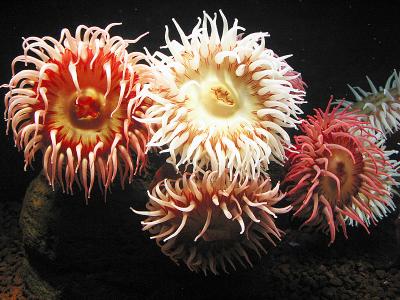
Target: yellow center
{"type": "Point", "coordinates": [217, 98]}
{"type": "Point", "coordinates": [342, 166]}
{"type": "Point", "coordinates": [85, 116]}
{"type": "Point", "coordinates": [219, 101]}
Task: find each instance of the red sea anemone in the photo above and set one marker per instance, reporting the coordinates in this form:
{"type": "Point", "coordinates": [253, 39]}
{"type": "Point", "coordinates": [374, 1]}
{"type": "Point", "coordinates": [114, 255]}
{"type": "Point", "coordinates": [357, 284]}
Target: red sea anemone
{"type": "Point", "coordinates": [76, 105]}
{"type": "Point", "coordinates": [339, 175]}
{"type": "Point", "coordinates": [224, 100]}
{"type": "Point", "coordinates": [207, 221]}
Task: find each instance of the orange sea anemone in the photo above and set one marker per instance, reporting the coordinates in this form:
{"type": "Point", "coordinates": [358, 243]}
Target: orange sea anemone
{"type": "Point", "coordinates": [339, 174]}
{"type": "Point", "coordinates": [74, 100]}
{"type": "Point", "coordinates": [207, 221]}
{"type": "Point", "coordinates": [224, 100]}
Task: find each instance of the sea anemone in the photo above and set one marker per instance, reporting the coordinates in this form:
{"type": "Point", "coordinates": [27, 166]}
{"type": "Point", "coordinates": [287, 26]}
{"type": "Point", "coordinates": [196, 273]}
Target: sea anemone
{"type": "Point", "coordinates": [74, 101]}
{"type": "Point", "coordinates": [390, 178]}
{"type": "Point", "coordinates": [339, 174]}
{"type": "Point", "coordinates": [223, 100]}
{"type": "Point", "coordinates": [381, 106]}
{"type": "Point", "coordinates": [207, 220]}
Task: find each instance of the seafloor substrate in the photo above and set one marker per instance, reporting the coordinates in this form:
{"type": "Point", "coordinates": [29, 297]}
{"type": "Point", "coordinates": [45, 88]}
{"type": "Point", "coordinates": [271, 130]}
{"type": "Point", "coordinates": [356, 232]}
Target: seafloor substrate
{"type": "Point", "coordinates": [105, 255]}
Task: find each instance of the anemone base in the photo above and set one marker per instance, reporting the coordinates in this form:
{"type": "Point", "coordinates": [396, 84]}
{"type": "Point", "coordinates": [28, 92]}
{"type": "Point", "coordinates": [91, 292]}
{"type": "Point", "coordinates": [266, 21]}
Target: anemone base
{"type": "Point", "coordinates": [62, 235]}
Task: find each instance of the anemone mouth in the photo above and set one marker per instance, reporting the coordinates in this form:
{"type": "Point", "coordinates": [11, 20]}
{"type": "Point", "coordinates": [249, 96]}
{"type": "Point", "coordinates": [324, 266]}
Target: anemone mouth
{"type": "Point", "coordinates": [77, 105]}
{"type": "Point", "coordinates": [208, 220]}
{"type": "Point", "coordinates": [215, 94]}
{"type": "Point", "coordinates": [345, 168]}
{"type": "Point", "coordinates": [218, 100]}
{"type": "Point", "coordinates": [88, 109]}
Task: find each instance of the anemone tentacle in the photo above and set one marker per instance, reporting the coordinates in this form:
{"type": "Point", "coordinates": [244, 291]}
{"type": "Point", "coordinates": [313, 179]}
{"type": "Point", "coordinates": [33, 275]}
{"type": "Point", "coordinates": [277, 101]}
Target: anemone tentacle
{"type": "Point", "coordinates": [381, 105]}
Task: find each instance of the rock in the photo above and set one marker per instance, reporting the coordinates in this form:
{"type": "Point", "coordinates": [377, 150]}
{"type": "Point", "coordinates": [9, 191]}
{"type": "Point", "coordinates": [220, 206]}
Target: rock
{"type": "Point", "coordinates": [10, 259]}
{"type": "Point", "coordinates": [328, 292]}
{"type": "Point", "coordinates": [3, 280]}
{"type": "Point", "coordinates": [343, 270]}
{"type": "Point", "coordinates": [285, 268]}
{"type": "Point", "coordinates": [18, 280]}
{"type": "Point", "coordinates": [380, 273]}
{"type": "Point", "coordinates": [335, 281]}
{"type": "Point", "coordinates": [309, 281]}
{"type": "Point", "coordinates": [61, 232]}
{"type": "Point", "coordinates": [36, 285]}
{"type": "Point", "coordinates": [330, 274]}
{"type": "Point", "coordinates": [3, 253]}
{"type": "Point", "coordinates": [322, 268]}
{"type": "Point", "coordinates": [284, 259]}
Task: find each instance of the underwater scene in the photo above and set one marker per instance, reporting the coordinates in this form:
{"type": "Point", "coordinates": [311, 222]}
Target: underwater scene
{"type": "Point", "coordinates": [195, 150]}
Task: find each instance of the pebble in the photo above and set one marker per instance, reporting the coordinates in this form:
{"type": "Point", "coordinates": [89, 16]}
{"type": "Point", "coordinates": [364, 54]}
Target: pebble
{"type": "Point", "coordinates": [285, 268]}
{"type": "Point", "coordinates": [380, 273]}
{"type": "Point", "coordinates": [309, 281]}
{"type": "Point", "coordinates": [18, 280]}
{"type": "Point", "coordinates": [3, 280]}
{"type": "Point", "coordinates": [328, 292]}
{"type": "Point", "coordinates": [336, 281]}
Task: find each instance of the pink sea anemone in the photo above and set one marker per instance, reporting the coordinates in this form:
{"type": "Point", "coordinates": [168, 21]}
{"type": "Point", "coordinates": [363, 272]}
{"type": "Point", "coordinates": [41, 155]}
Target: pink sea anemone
{"type": "Point", "coordinates": [339, 174]}
{"type": "Point", "coordinates": [207, 221]}
{"type": "Point", "coordinates": [74, 100]}
{"type": "Point", "coordinates": [224, 100]}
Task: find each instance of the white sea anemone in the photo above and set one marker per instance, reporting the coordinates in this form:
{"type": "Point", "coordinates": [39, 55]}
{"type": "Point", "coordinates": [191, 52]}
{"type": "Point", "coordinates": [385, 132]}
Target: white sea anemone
{"type": "Point", "coordinates": [381, 105]}
{"type": "Point", "coordinates": [224, 100]}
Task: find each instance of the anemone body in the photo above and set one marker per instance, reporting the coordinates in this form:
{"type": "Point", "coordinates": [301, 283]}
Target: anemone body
{"type": "Point", "coordinates": [339, 175]}
{"type": "Point", "coordinates": [74, 100]}
{"type": "Point", "coordinates": [224, 100]}
{"type": "Point", "coordinates": [381, 105]}
{"type": "Point", "coordinates": [210, 222]}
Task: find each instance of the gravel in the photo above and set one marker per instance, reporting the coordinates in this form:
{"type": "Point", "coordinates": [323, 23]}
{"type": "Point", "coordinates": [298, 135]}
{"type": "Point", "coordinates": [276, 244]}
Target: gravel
{"type": "Point", "coordinates": [110, 257]}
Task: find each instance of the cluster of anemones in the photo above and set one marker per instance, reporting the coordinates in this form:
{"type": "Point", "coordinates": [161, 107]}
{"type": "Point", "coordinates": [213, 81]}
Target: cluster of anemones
{"type": "Point", "coordinates": [223, 104]}
{"type": "Point", "coordinates": [339, 174]}
{"type": "Point", "coordinates": [219, 105]}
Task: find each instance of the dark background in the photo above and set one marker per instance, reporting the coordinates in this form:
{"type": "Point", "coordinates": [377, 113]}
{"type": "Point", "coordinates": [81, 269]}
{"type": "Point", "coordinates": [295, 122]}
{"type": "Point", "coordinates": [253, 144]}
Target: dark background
{"type": "Point", "coordinates": [333, 43]}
